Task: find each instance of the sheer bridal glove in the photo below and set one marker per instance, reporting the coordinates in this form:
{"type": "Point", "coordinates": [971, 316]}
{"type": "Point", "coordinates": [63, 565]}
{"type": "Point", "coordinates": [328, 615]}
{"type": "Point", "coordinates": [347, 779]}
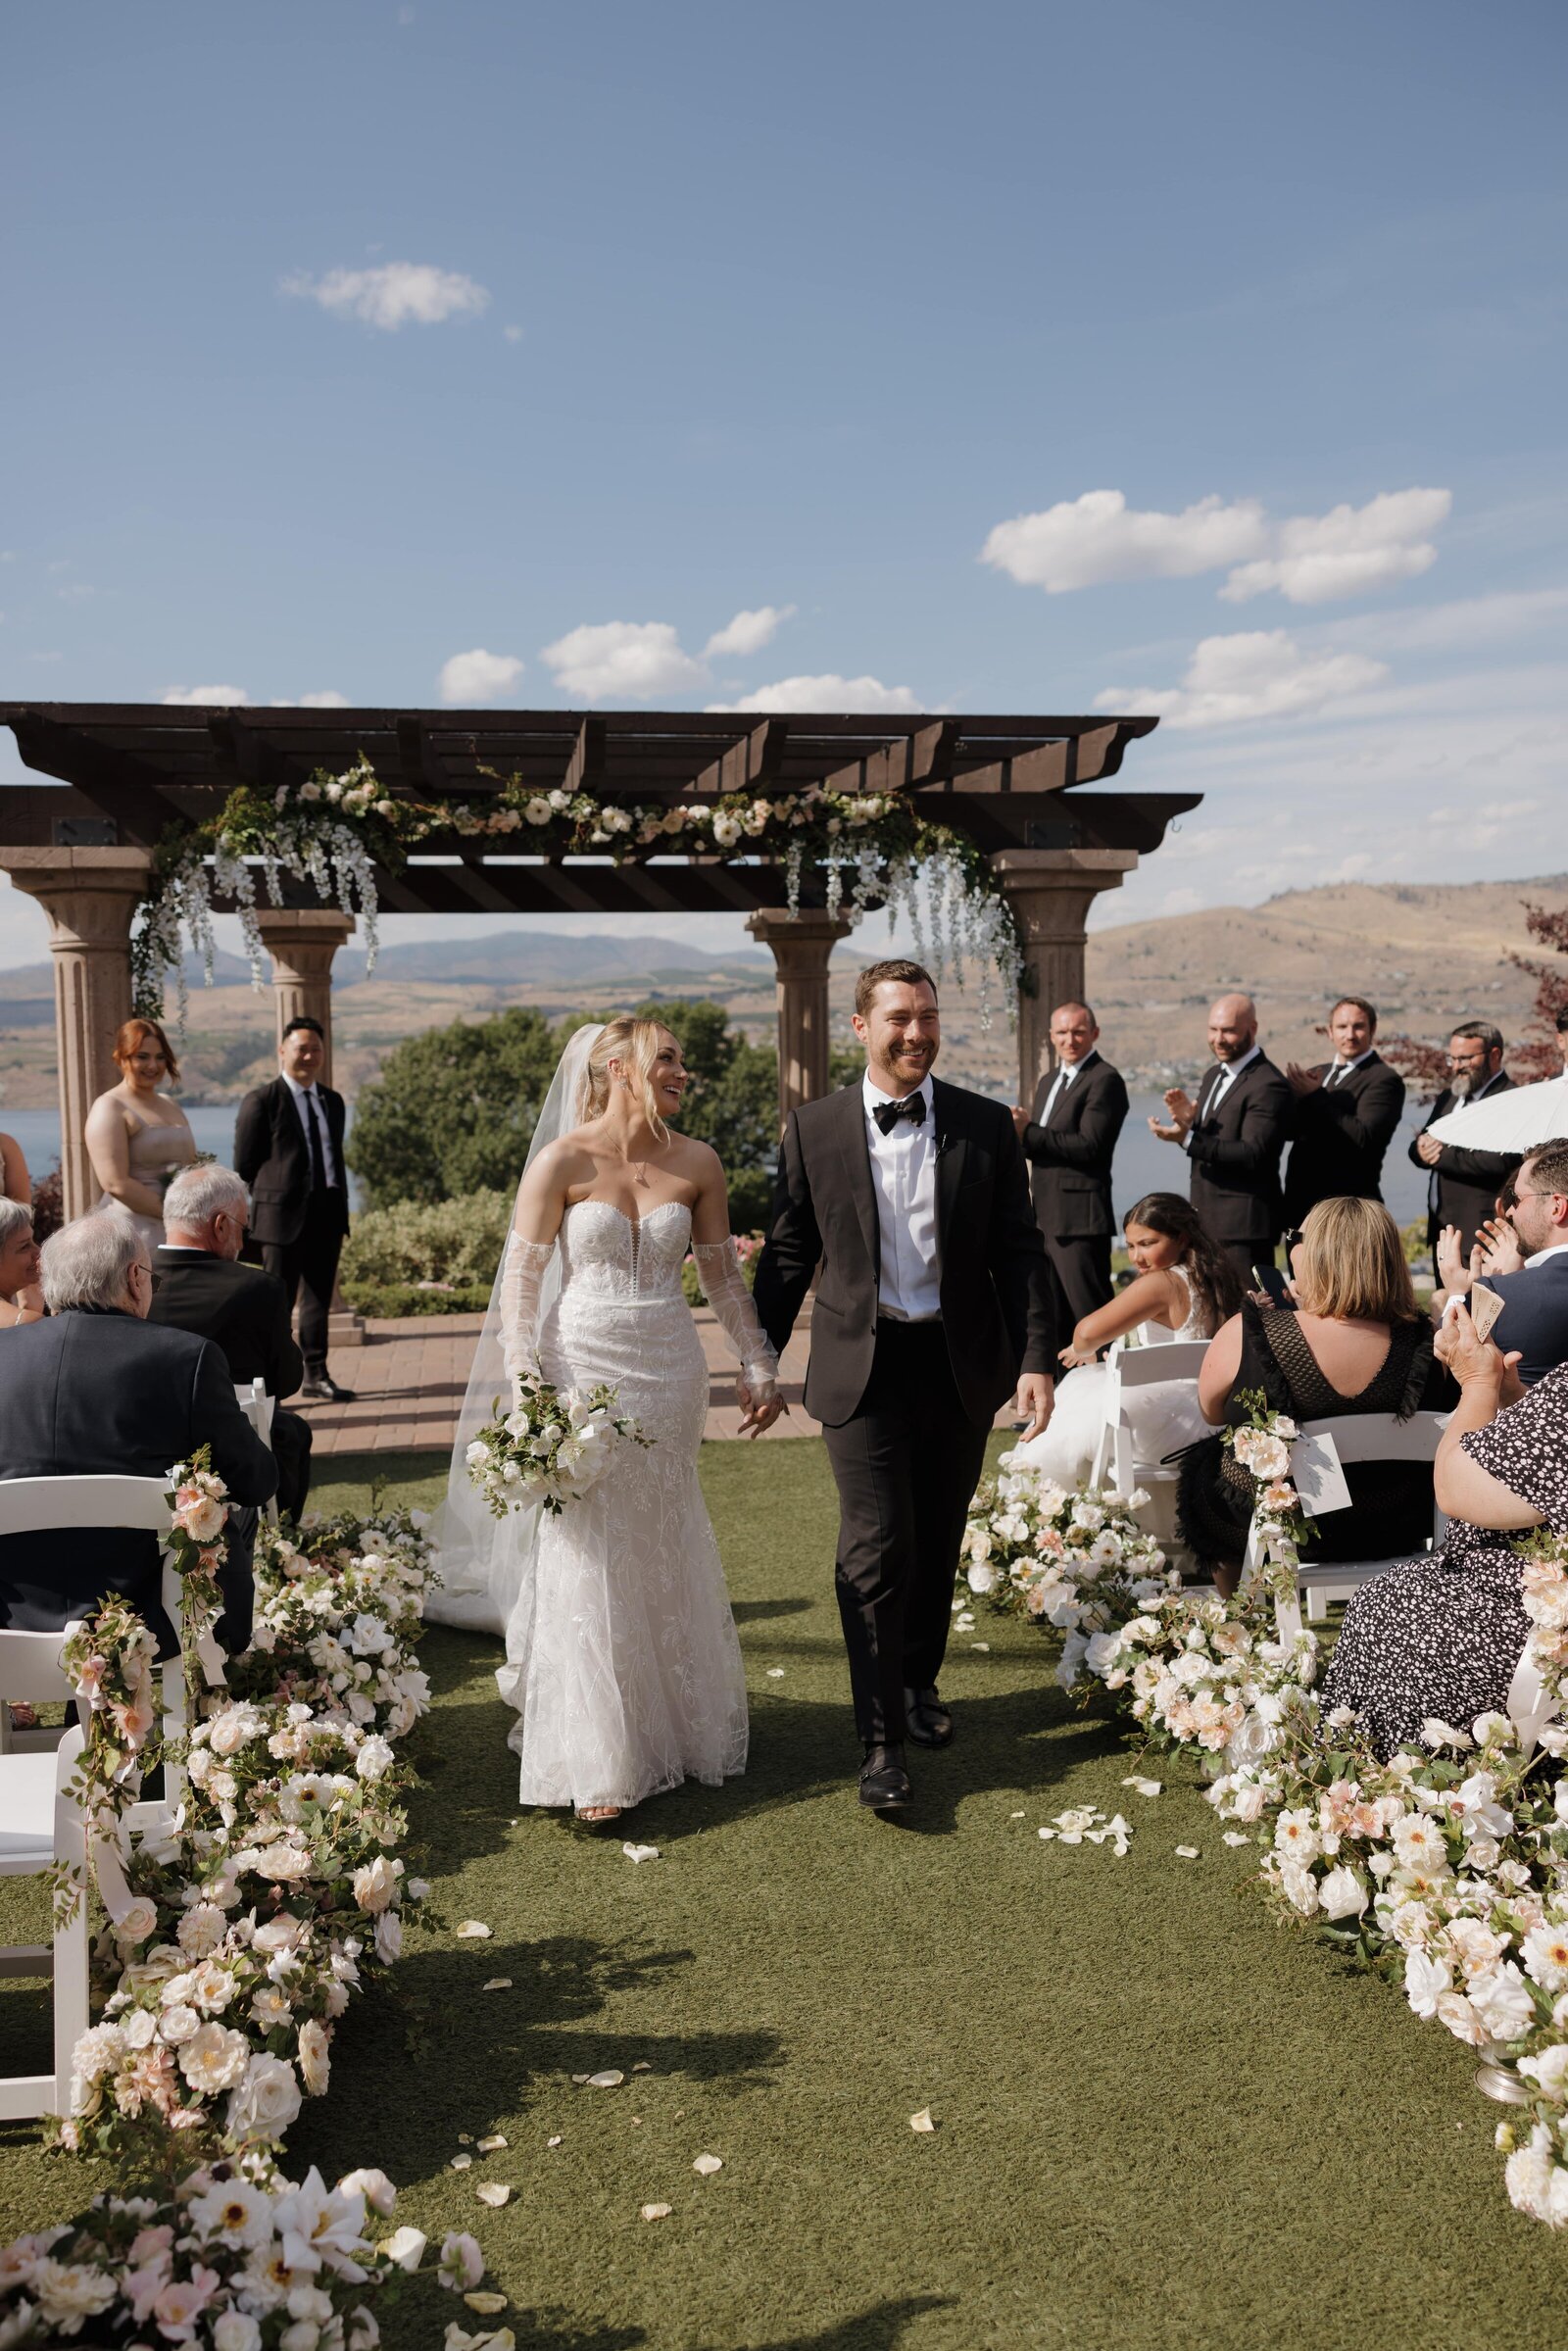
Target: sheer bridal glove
{"type": "Point", "coordinates": [718, 1270]}
{"type": "Point", "coordinates": [522, 1275]}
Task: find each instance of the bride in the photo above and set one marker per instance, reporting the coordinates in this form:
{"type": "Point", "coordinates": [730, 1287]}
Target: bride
{"type": "Point", "coordinates": [621, 1656]}
{"type": "Point", "coordinates": [1183, 1288]}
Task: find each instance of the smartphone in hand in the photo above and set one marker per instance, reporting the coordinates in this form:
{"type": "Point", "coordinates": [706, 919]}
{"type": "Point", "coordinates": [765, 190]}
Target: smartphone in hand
{"type": "Point", "coordinates": [1269, 1279]}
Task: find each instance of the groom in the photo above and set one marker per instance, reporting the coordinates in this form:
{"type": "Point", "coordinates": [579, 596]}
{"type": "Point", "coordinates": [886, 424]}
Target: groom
{"type": "Point", "coordinates": [932, 1305]}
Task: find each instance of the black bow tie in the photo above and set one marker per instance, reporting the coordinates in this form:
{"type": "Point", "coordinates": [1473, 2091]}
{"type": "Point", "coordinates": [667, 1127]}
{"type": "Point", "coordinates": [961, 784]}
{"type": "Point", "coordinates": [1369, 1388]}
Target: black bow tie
{"type": "Point", "coordinates": [888, 1114]}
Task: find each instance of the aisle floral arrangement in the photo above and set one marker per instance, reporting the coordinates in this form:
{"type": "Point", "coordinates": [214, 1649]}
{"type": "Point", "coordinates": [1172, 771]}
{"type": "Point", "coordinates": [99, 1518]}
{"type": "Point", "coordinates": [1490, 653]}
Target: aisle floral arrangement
{"type": "Point", "coordinates": [1445, 1868]}
{"type": "Point", "coordinates": [870, 848]}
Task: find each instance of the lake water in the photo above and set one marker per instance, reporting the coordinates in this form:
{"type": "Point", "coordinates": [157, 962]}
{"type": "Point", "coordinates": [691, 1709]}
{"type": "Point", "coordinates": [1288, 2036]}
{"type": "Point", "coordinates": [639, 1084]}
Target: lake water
{"type": "Point", "coordinates": [1142, 1162]}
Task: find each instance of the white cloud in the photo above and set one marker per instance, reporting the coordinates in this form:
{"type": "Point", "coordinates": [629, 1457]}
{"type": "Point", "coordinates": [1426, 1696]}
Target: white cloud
{"type": "Point", "coordinates": [311, 702]}
{"type": "Point", "coordinates": [622, 661]}
{"type": "Point", "coordinates": [1259, 673]}
{"type": "Point", "coordinates": [748, 632]}
{"type": "Point", "coordinates": [394, 295]}
{"type": "Point", "coordinates": [1308, 559]}
{"type": "Point", "coordinates": [1468, 621]}
{"type": "Point", "coordinates": [1086, 541]}
{"type": "Point", "coordinates": [471, 678]}
{"type": "Point", "coordinates": [229, 697]}
{"type": "Point", "coordinates": [1348, 552]}
{"type": "Point", "coordinates": [830, 695]}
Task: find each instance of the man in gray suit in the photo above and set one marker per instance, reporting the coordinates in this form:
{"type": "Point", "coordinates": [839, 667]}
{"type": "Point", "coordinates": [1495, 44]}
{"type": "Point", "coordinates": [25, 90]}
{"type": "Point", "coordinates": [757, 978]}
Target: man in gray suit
{"type": "Point", "coordinates": [98, 1389]}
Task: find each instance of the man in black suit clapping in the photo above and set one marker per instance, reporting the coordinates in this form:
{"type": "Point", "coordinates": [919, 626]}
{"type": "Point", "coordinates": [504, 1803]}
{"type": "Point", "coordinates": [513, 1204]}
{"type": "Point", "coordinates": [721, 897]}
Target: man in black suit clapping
{"type": "Point", "coordinates": [1463, 1185]}
{"type": "Point", "coordinates": [202, 1287]}
{"type": "Point", "coordinates": [1069, 1140]}
{"type": "Point", "coordinates": [1233, 1133]}
{"type": "Point", "coordinates": [288, 1147]}
{"type": "Point", "coordinates": [1344, 1115]}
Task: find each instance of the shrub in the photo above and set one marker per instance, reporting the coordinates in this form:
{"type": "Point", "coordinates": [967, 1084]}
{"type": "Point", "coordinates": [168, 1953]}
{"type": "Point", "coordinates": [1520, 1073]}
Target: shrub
{"type": "Point", "coordinates": [454, 1241]}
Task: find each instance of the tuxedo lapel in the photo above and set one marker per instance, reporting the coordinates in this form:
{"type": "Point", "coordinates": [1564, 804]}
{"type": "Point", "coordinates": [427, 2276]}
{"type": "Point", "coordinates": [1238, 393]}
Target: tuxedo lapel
{"type": "Point", "coordinates": [950, 1160]}
{"type": "Point", "coordinates": [856, 1153]}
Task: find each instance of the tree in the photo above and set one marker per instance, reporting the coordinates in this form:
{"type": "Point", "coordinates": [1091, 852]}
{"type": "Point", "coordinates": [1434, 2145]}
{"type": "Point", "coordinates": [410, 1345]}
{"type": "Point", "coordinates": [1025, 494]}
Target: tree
{"type": "Point", "coordinates": [453, 1109]}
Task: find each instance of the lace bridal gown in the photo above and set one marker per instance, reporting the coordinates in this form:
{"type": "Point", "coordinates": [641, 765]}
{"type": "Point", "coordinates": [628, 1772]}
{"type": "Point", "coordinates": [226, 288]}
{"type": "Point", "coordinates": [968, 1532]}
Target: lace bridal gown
{"type": "Point", "coordinates": [1163, 1416]}
{"type": "Point", "coordinates": [621, 1655]}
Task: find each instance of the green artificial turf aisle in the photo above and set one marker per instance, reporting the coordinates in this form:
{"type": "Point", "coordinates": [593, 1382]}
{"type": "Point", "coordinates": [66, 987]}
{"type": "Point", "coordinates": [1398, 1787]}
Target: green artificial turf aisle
{"type": "Point", "coordinates": [1162, 2121]}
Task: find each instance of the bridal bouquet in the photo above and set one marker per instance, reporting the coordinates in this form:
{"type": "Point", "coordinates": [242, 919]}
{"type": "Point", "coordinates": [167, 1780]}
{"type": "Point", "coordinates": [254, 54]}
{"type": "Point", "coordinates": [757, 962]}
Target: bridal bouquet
{"type": "Point", "coordinates": [548, 1449]}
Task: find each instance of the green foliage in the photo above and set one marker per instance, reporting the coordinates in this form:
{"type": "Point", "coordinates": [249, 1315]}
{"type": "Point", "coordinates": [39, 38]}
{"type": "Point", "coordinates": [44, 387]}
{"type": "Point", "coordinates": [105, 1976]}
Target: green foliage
{"type": "Point", "coordinates": [453, 1109]}
{"type": "Point", "coordinates": [390, 1250]}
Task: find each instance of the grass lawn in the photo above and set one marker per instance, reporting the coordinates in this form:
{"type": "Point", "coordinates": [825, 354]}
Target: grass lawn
{"type": "Point", "coordinates": [1163, 2120]}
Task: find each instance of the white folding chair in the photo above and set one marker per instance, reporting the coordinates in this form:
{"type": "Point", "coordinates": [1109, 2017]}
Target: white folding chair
{"type": "Point", "coordinates": [41, 1824]}
{"type": "Point", "coordinates": [258, 1407]}
{"type": "Point", "coordinates": [1349, 1438]}
{"type": "Point", "coordinates": [1128, 1369]}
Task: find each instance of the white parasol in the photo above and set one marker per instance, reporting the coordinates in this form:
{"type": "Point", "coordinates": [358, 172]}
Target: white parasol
{"type": "Point", "coordinates": [1513, 1121]}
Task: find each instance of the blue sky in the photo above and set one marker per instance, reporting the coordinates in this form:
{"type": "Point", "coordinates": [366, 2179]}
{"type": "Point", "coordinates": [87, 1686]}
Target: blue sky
{"type": "Point", "coordinates": [1206, 360]}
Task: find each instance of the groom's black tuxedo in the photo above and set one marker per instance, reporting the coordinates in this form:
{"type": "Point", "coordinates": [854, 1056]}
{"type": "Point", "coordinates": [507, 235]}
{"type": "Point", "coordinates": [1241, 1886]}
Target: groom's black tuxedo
{"type": "Point", "coordinates": [905, 1405]}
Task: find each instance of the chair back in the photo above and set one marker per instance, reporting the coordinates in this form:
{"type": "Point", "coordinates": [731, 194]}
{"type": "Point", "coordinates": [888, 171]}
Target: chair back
{"type": "Point", "coordinates": [1128, 1368]}
{"type": "Point", "coordinates": [258, 1406]}
{"type": "Point", "coordinates": [1154, 1366]}
{"type": "Point", "coordinates": [1377, 1437]}
{"type": "Point", "coordinates": [42, 1505]}
{"type": "Point", "coordinates": [30, 1671]}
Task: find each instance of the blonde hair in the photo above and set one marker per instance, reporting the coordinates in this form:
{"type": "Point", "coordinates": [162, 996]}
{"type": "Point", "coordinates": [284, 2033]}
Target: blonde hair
{"type": "Point", "coordinates": [636, 1044]}
{"type": "Point", "coordinates": [1351, 1263]}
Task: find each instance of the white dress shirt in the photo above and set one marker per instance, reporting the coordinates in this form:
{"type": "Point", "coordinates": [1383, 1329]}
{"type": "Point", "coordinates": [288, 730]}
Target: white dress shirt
{"type": "Point", "coordinates": [1229, 1071]}
{"type": "Point", "coordinates": [1337, 1070]}
{"type": "Point", "coordinates": [1058, 1086]}
{"type": "Point", "coordinates": [904, 1169]}
{"type": "Point", "coordinates": [307, 1103]}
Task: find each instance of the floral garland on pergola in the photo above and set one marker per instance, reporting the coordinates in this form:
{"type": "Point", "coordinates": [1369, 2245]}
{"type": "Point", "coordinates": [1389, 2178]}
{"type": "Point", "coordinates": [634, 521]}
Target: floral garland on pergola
{"type": "Point", "coordinates": [872, 848]}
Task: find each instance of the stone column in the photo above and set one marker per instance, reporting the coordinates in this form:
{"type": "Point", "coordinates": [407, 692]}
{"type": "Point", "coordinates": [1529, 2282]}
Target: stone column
{"type": "Point", "coordinates": [801, 949]}
{"type": "Point", "coordinates": [301, 942]}
{"type": "Point", "coordinates": [89, 896]}
{"type": "Point", "coordinates": [1051, 891]}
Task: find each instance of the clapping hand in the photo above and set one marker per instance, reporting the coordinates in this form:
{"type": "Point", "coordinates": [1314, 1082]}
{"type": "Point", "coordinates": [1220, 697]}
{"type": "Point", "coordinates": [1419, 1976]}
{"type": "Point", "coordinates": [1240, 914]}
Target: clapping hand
{"type": "Point", "coordinates": [1496, 1248]}
{"type": "Point", "coordinates": [1303, 1081]}
{"type": "Point", "coordinates": [1428, 1149]}
{"type": "Point", "coordinates": [1453, 1273]}
{"type": "Point", "coordinates": [1472, 1359]}
{"type": "Point", "coordinates": [1183, 1110]}
{"type": "Point", "coordinates": [1020, 1119]}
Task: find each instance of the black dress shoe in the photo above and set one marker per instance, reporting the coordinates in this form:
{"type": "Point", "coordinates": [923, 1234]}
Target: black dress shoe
{"type": "Point", "coordinates": [884, 1782]}
{"type": "Point", "coordinates": [319, 1387]}
{"type": "Point", "coordinates": [927, 1721]}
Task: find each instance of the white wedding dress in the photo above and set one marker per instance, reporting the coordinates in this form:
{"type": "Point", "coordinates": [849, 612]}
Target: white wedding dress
{"type": "Point", "coordinates": [621, 1655]}
{"type": "Point", "coordinates": [1163, 1416]}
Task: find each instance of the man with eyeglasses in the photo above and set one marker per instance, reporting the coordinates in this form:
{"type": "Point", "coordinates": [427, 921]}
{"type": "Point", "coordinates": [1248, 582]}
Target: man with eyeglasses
{"type": "Point", "coordinates": [1531, 1276]}
{"type": "Point", "coordinates": [1463, 1185]}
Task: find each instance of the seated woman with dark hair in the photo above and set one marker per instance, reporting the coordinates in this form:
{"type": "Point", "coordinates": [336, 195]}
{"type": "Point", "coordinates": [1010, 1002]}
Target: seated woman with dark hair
{"type": "Point", "coordinates": [1182, 1287]}
{"type": "Point", "coordinates": [1358, 1344]}
{"type": "Point", "coordinates": [1442, 1637]}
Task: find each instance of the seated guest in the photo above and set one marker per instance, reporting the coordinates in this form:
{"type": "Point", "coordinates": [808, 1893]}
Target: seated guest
{"type": "Point", "coordinates": [1358, 1342]}
{"type": "Point", "coordinates": [1344, 1117]}
{"type": "Point", "coordinates": [202, 1287]}
{"type": "Point", "coordinates": [25, 1304]}
{"type": "Point", "coordinates": [1531, 1277]}
{"type": "Point", "coordinates": [1183, 1288]}
{"type": "Point", "coordinates": [1441, 1635]}
{"type": "Point", "coordinates": [1462, 1185]}
{"type": "Point", "coordinates": [18, 1267]}
{"type": "Point", "coordinates": [97, 1391]}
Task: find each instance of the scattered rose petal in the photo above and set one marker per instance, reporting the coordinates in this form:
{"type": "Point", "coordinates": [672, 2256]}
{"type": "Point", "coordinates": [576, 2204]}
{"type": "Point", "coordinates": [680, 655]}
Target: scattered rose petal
{"type": "Point", "coordinates": [493, 2191]}
{"type": "Point", "coordinates": [642, 2066]}
{"type": "Point", "coordinates": [474, 1931]}
{"type": "Point", "coordinates": [461, 2163]}
{"type": "Point", "coordinates": [1016, 1816]}
{"type": "Point", "coordinates": [488, 2146]}
{"type": "Point", "coordinates": [553, 2142]}
{"type": "Point", "coordinates": [984, 1647]}
{"type": "Point", "coordinates": [706, 2165]}
{"type": "Point", "coordinates": [611, 2079]}
{"type": "Point", "coordinates": [1187, 1852]}
{"type": "Point", "coordinates": [405, 2247]}
{"type": "Point", "coordinates": [655, 2211]}
{"type": "Point", "coordinates": [499, 1983]}
{"type": "Point", "coordinates": [579, 2078]}
{"type": "Point", "coordinates": [641, 1853]}
{"type": "Point", "coordinates": [637, 2121]}
{"type": "Point", "coordinates": [1141, 1785]}
{"type": "Point", "coordinates": [1234, 1837]}
{"type": "Point", "coordinates": [922, 2120]}
{"type": "Point", "coordinates": [1047, 1835]}
{"type": "Point", "coordinates": [489, 2306]}
{"type": "Point", "coordinates": [465, 2138]}
{"type": "Point", "coordinates": [775, 1673]}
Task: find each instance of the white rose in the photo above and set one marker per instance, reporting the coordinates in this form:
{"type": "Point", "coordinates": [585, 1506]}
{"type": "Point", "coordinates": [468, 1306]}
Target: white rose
{"type": "Point", "coordinates": [214, 2058]}
{"type": "Point", "coordinates": [178, 2024]}
{"type": "Point", "coordinates": [389, 1936]}
{"type": "Point", "coordinates": [374, 1759]}
{"type": "Point", "coordinates": [137, 1923]}
{"type": "Point", "coordinates": [1343, 1894]}
{"type": "Point", "coordinates": [236, 2330]}
{"type": "Point", "coordinates": [376, 1883]}
{"type": "Point", "coordinates": [267, 2101]}
{"type": "Point", "coordinates": [1502, 1999]}
{"type": "Point", "coordinates": [981, 1578]}
{"type": "Point", "coordinates": [477, 1455]}
{"type": "Point", "coordinates": [316, 2063]}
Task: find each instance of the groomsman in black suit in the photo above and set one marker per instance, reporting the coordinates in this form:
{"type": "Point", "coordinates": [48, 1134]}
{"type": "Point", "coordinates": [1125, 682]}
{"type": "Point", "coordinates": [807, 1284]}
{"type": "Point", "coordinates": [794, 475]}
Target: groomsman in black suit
{"type": "Point", "coordinates": [1345, 1113]}
{"type": "Point", "coordinates": [1069, 1140]}
{"type": "Point", "coordinates": [1462, 1185]}
{"type": "Point", "coordinates": [288, 1147]}
{"type": "Point", "coordinates": [1233, 1135]}
{"type": "Point", "coordinates": [202, 1287]}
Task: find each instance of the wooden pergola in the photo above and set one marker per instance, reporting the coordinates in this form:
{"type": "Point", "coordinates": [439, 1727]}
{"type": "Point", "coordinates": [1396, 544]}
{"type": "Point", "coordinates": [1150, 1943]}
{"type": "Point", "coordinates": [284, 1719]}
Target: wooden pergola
{"type": "Point", "coordinates": [121, 774]}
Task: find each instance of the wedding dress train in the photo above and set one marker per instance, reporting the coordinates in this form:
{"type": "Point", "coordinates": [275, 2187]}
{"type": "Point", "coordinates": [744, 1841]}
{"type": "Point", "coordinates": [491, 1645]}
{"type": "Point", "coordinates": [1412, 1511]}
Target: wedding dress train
{"type": "Point", "coordinates": [1163, 1417]}
{"type": "Point", "coordinates": [621, 1655]}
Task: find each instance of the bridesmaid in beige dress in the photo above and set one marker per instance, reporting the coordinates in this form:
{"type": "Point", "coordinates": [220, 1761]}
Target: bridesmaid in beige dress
{"type": "Point", "coordinates": [137, 1135]}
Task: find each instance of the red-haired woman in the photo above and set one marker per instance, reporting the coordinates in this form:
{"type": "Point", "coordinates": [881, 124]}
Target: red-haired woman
{"type": "Point", "coordinates": [138, 1136]}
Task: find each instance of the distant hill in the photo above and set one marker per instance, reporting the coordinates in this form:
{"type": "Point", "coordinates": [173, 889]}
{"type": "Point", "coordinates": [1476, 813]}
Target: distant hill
{"type": "Point", "coordinates": [536, 958]}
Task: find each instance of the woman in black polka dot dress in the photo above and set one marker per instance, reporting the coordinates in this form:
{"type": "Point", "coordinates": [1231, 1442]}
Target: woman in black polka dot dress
{"type": "Point", "coordinates": [1441, 1635]}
